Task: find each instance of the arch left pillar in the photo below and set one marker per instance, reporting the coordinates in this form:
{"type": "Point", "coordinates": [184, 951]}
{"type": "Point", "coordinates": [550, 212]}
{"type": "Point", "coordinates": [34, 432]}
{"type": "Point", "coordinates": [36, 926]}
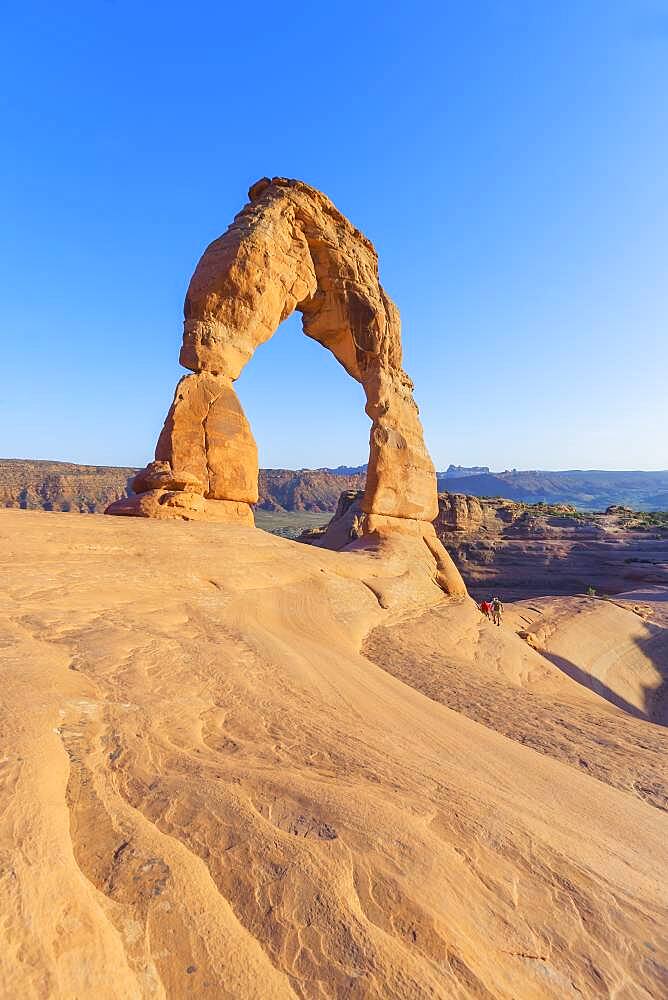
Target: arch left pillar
{"type": "Point", "coordinates": [206, 461]}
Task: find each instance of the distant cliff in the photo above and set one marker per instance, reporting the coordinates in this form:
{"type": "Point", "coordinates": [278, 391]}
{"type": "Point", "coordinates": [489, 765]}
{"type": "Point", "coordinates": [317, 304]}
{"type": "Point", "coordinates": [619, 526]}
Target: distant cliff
{"type": "Point", "coordinates": [587, 490]}
{"type": "Point", "coordinates": [520, 548]}
{"type": "Point", "coordinates": [316, 490]}
{"type": "Point", "coordinates": [64, 486]}
{"type": "Point", "coordinates": [459, 471]}
{"type": "Point", "coordinates": [89, 489]}
{"type": "Point", "coordinates": [41, 485]}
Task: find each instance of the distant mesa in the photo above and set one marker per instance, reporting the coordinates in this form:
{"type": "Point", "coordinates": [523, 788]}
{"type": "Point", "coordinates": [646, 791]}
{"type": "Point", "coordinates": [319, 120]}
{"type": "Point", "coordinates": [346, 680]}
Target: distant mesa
{"type": "Point", "coordinates": [592, 489]}
{"type": "Point", "coordinates": [457, 471]}
{"type": "Point", "coordinates": [289, 249]}
{"type": "Point", "coordinates": [346, 470]}
{"type": "Point", "coordinates": [33, 484]}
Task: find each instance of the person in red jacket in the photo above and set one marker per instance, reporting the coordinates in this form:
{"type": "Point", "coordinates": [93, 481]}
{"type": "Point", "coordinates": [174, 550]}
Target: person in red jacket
{"type": "Point", "coordinates": [486, 607]}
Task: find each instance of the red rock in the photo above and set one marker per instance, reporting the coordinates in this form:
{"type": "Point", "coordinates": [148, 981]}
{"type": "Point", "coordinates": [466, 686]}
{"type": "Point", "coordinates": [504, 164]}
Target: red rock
{"type": "Point", "coordinates": [291, 249]}
{"type": "Point", "coordinates": [178, 505]}
{"type": "Point", "coordinates": [206, 436]}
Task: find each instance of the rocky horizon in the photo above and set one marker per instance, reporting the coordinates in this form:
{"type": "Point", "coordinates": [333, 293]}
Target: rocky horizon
{"type": "Point", "coordinates": [41, 484]}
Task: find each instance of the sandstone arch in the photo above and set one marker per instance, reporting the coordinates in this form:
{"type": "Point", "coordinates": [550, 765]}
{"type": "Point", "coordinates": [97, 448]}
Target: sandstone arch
{"type": "Point", "coordinates": [288, 249]}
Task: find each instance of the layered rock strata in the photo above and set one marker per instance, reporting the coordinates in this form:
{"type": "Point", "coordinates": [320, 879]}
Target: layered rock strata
{"type": "Point", "coordinates": [522, 550]}
{"type": "Point", "coordinates": [289, 249]}
{"type": "Point", "coordinates": [530, 549]}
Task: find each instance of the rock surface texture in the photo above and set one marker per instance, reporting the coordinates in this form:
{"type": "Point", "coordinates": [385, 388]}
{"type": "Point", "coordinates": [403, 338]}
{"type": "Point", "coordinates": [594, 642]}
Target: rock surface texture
{"type": "Point", "coordinates": [289, 249]}
{"type": "Point", "coordinates": [236, 768]}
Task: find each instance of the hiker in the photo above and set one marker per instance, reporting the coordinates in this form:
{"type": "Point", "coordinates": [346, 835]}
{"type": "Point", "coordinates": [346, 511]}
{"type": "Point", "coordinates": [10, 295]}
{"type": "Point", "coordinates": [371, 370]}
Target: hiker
{"type": "Point", "coordinates": [486, 607]}
{"type": "Point", "coordinates": [497, 610]}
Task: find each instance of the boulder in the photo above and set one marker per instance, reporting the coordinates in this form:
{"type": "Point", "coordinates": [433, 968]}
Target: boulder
{"type": "Point", "coordinates": [171, 505]}
{"type": "Point", "coordinates": [161, 476]}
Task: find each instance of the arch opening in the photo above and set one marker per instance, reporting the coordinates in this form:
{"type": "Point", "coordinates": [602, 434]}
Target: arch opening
{"type": "Point", "coordinates": [304, 409]}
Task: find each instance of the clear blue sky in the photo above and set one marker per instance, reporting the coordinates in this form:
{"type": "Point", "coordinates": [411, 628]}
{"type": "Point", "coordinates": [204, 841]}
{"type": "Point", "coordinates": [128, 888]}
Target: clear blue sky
{"type": "Point", "coordinates": [508, 159]}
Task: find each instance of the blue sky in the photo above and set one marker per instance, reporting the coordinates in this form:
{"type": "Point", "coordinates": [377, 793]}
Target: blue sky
{"type": "Point", "coordinates": [508, 159]}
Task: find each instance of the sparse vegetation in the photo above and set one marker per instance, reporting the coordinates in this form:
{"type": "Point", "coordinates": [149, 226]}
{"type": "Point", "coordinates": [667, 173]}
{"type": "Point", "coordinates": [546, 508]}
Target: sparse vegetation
{"type": "Point", "coordinates": [650, 520]}
{"type": "Point", "coordinates": [557, 510]}
{"type": "Point", "coordinates": [289, 524]}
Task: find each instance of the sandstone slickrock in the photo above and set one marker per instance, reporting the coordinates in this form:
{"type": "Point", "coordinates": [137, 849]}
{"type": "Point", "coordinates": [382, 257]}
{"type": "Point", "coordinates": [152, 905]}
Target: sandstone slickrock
{"type": "Point", "coordinates": [291, 249]}
{"type": "Point", "coordinates": [240, 768]}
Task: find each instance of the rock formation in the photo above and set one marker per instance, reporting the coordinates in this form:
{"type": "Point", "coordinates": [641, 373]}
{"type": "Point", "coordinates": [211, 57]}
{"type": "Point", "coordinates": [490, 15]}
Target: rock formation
{"type": "Point", "coordinates": [289, 249]}
{"type": "Point", "coordinates": [29, 484]}
{"type": "Point", "coordinates": [523, 549]}
{"type": "Point", "coordinates": [530, 549]}
{"type": "Point", "coordinates": [63, 486]}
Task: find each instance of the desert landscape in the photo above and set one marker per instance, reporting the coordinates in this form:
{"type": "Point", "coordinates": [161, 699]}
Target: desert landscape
{"type": "Point", "coordinates": [89, 489]}
{"type": "Point", "coordinates": [532, 549]}
{"type": "Point", "coordinates": [248, 767]}
{"type": "Point", "coordinates": [240, 765]}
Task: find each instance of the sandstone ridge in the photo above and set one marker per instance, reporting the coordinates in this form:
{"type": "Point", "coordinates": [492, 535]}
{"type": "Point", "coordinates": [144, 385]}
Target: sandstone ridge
{"type": "Point", "coordinates": [289, 249]}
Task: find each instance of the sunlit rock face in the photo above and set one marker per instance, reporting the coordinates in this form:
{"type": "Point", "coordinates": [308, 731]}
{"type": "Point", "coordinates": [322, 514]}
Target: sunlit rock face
{"type": "Point", "coordinates": [289, 249]}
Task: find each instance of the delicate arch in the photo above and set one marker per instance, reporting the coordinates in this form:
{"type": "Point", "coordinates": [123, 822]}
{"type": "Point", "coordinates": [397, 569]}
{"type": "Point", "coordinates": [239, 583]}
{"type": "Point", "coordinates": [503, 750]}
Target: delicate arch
{"type": "Point", "coordinates": [288, 249]}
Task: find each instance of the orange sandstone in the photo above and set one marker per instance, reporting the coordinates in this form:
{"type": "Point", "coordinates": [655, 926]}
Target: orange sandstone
{"type": "Point", "coordinates": [290, 249]}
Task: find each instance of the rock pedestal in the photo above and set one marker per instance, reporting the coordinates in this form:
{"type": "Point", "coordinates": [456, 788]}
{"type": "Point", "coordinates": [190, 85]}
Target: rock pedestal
{"type": "Point", "coordinates": [206, 464]}
{"type": "Point", "coordinates": [288, 249]}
